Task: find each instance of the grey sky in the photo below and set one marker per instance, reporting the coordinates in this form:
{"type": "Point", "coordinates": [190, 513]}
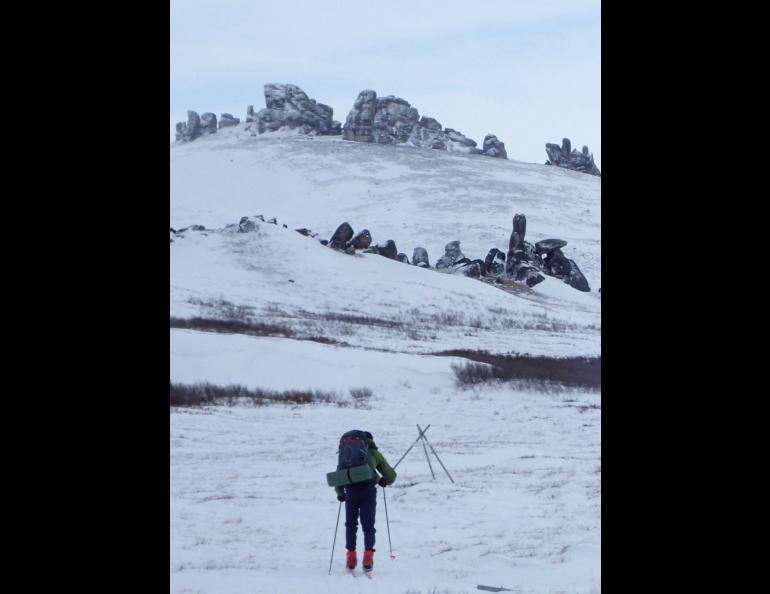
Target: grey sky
{"type": "Point", "coordinates": [527, 71]}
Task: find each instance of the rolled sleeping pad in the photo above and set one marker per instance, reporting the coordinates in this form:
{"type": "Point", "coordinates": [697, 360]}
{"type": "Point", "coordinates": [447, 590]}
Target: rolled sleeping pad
{"type": "Point", "coordinates": [348, 476]}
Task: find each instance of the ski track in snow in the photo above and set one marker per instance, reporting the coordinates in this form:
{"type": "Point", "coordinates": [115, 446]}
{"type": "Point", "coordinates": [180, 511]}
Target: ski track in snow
{"type": "Point", "coordinates": [250, 509]}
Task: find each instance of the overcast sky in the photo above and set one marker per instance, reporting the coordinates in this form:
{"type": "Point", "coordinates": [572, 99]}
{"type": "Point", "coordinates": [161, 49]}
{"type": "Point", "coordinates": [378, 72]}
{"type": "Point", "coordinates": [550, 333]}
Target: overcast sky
{"type": "Point", "coordinates": [527, 71]}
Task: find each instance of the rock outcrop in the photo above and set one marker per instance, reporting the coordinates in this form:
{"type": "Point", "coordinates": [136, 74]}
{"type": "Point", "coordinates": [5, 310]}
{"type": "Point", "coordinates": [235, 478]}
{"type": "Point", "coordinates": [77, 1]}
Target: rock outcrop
{"type": "Point", "coordinates": [287, 107]}
{"type": "Point", "coordinates": [494, 147]}
{"type": "Point", "coordinates": [392, 120]}
{"type": "Point", "coordinates": [565, 156]}
{"type": "Point", "coordinates": [189, 130]}
{"type": "Point", "coordinates": [420, 257]}
{"type": "Point", "coordinates": [452, 254]}
{"type": "Point", "coordinates": [341, 237]}
{"type": "Point", "coordinates": [227, 119]}
{"type": "Point", "coordinates": [208, 123]}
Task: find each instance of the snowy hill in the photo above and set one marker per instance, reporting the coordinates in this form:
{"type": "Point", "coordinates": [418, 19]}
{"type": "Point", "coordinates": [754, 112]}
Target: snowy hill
{"type": "Point", "coordinates": [245, 517]}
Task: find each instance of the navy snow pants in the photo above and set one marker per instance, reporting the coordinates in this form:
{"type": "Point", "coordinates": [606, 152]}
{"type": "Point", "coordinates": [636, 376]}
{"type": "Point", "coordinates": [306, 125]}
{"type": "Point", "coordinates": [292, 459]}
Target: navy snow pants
{"type": "Point", "coordinates": [360, 500]}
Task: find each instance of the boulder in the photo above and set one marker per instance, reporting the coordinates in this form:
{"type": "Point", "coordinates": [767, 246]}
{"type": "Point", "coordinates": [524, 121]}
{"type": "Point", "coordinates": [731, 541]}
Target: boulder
{"type": "Point", "coordinates": [208, 123]}
{"type": "Point", "coordinates": [565, 156]}
{"type": "Point", "coordinates": [494, 147]}
{"type": "Point", "coordinates": [402, 258]}
{"type": "Point", "coordinates": [227, 119]}
{"type": "Point", "coordinates": [362, 240]}
{"type": "Point", "coordinates": [452, 254]}
{"type": "Point", "coordinates": [576, 279]}
{"type": "Point", "coordinates": [546, 245]}
{"type": "Point", "coordinates": [495, 262]}
{"type": "Point", "coordinates": [389, 250]}
{"type": "Point", "coordinates": [288, 107]}
{"type": "Point", "coordinates": [189, 130]}
{"type": "Point", "coordinates": [341, 236]}
{"type": "Point", "coordinates": [246, 225]}
{"type": "Point", "coordinates": [420, 257]}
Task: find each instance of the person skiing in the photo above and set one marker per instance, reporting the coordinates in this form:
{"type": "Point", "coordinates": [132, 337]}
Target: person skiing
{"type": "Point", "coordinates": [361, 501]}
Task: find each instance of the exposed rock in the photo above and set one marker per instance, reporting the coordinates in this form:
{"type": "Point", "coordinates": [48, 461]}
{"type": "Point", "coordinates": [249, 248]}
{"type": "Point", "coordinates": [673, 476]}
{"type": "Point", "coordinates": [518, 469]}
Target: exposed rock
{"type": "Point", "coordinates": [189, 130]}
{"type": "Point", "coordinates": [534, 277]}
{"type": "Point", "coordinates": [227, 119]}
{"type": "Point", "coordinates": [402, 258]}
{"type": "Point", "coordinates": [576, 279]}
{"type": "Point", "coordinates": [556, 264]}
{"type": "Point", "coordinates": [459, 138]}
{"type": "Point", "coordinates": [494, 147]}
{"type": "Point", "coordinates": [389, 250]}
{"type": "Point", "coordinates": [250, 116]}
{"type": "Point", "coordinates": [362, 240]}
{"type": "Point", "coordinates": [428, 134]}
{"type": "Point", "coordinates": [305, 232]}
{"type": "Point", "coordinates": [246, 225]}
{"type": "Point", "coordinates": [273, 221]}
{"type": "Point", "coordinates": [359, 125]}
{"type": "Point", "coordinates": [475, 269]}
{"type": "Point", "coordinates": [289, 107]}
{"type": "Point", "coordinates": [341, 236]}
{"type": "Point", "coordinates": [208, 123]}
{"type": "Point", "coordinates": [420, 257]}
{"type": "Point", "coordinates": [495, 261]}
{"type": "Point", "coordinates": [517, 251]}
{"type": "Point", "coordinates": [452, 254]}
{"type": "Point", "coordinates": [564, 156]}
{"type": "Point", "coordinates": [392, 120]}
{"type": "Point", "coordinates": [546, 245]}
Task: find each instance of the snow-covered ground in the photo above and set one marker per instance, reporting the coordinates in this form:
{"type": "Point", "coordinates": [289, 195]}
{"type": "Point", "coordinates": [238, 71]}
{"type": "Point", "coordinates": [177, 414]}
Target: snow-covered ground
{"type": "Point", "coordinates": [251, 511]}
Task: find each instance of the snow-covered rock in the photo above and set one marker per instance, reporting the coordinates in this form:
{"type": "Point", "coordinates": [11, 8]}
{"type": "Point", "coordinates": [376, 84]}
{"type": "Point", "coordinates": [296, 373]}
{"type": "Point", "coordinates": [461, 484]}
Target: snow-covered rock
{"type": "Point", "coordinates": [494, 147]}
{"type": "Point", "coordinates": [227, 120]}
{"type": "Point", "coordinates": [565, 156]}
{"type": "Point", "coordinates": [208, 123]}
{"type": "Point", "coordinates": [189, 130]}
{"type": "Point", "coordinates": [392, 120]}
{"type": "Point", "coordinates": [287, 107]}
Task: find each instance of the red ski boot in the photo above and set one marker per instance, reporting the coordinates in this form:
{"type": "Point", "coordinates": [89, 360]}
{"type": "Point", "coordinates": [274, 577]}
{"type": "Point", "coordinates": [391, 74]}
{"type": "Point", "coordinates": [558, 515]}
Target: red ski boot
{"type": "Point", "coordinates": [368, 564]}
{"type": "Point", "coordinates": [352, 560]}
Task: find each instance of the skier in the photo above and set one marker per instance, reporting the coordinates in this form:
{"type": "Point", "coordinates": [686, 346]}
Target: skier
{"type": "Point", "coordinates": [360, 500]}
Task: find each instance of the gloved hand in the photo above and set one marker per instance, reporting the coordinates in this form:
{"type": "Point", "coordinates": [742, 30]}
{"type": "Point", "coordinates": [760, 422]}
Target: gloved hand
{"type": "Point", "coordinates": [382, 483]}
{"type": "Point", "coordinates": [340, 497]}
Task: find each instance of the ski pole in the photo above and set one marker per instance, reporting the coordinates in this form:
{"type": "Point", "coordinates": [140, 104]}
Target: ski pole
{"type": "Point", "coordinates": [387, 522]}
{"type": "Point", "coordinates": [426, 453]}
{"type": "Point", "coordinates": [437, 458]}
{"type": "Point", "coordinates": [335, 536]}
{"type": "Point", "coordinates": [410, 447]}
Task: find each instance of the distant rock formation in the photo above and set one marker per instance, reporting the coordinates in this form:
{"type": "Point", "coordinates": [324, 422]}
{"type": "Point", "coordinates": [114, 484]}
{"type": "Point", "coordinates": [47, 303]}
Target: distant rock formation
{"type": "Point", "coordinates": [565, 156]}
{"type": "Point", "coordinates": [341, 236]}
{"type": "Point", "coordinates": [389, 250]}
{"type": "Point", "coordinates": [362, 240]}
{"type": "Point", "coordinates": [208, 123]}
{"type": "Point", "coordinates": [452, 254]}
{"type": "Point", "coordinates": [392, 120]}
{"type": "Point", "coordinates": [189, 130]}
{"type": "Point", "coordinates": [287, 107]}
{"type": "Point", "coordinates": [517, 262]}
{"type": "Point", "coordinates": [227, 119]}
{"type": "Point", "coordinates": [420, 257]}
{"type": "Point", "coordinates": [493, 147]}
